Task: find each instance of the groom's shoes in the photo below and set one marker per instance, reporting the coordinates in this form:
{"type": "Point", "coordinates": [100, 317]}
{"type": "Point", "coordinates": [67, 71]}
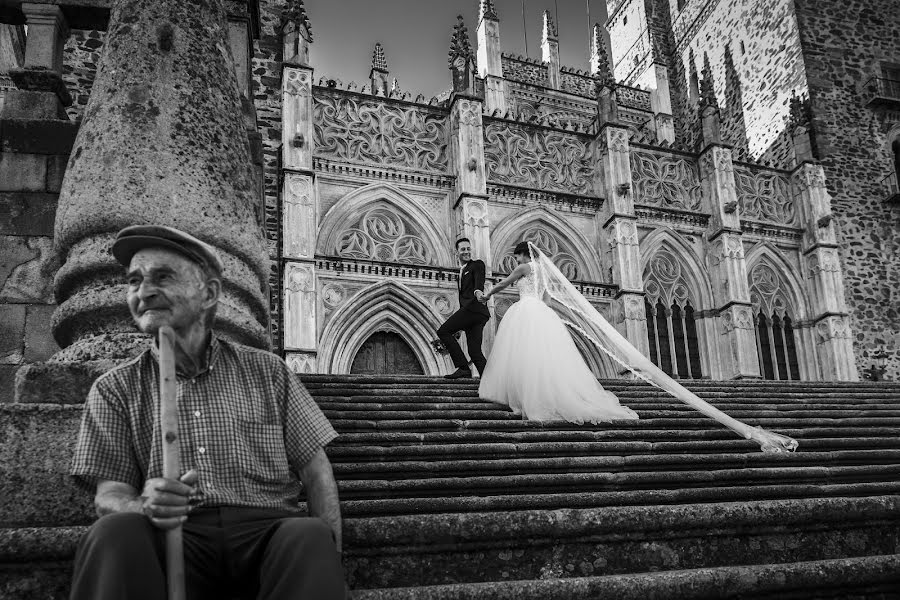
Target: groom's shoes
{"type": "Point", "coordinates": [459, 374]}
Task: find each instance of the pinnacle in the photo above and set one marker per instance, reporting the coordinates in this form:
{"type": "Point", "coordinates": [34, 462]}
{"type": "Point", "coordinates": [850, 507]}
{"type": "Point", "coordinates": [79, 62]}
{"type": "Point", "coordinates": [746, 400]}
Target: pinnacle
{"type": "Point", "coordinates": [379, 60]}
{"type": "Point", "coordinates": [550, 30]}
{"type": "Point", "coordinates": [295, 13]}
{"type": "Point", "coordinates": [487, 10]}
{"type": "Point", "coordinates": [459, 42]}
{"type": "Point", "coordinates": [599, 56]}
{"type": "Point", "coordinates": [707, 91]}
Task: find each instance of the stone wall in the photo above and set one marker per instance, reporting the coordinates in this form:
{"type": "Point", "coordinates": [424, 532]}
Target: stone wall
{"type": "Point", "coordinates": [844, 42]}
{"type": "Point", "coordinates": [754, 52]}
{"type": "Point", "coordinates": [578, 83]}
{"type": "Point", "coordinates": [80, 59]}
{"type": "Point", "coordinates": [525, 70]}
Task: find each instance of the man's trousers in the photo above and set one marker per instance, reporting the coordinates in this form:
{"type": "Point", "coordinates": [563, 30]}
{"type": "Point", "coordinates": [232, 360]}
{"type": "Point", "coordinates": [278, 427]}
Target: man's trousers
{"type": "Point", "coordinates": [229, 552]}
{"type": "Point", "coordinates": [472, 323]}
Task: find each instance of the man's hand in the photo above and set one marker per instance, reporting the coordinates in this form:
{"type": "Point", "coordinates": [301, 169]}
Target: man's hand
{"type": "Point", "coordinates": [479, 295]}
{"type": "Point", "coordinates": [166, 502]}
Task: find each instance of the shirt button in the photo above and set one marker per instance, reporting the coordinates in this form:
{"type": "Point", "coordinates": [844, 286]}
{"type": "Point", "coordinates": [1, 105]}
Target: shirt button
{"type": "Point", "coordinates": [201, 450]}
{"type": "Point", "coordinates": [196, 413]}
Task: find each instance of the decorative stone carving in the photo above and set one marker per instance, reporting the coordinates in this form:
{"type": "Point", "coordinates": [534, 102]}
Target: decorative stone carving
{"type": "Point", "coordinates": [382, 234]}
{"type": "Point", "coordinates": [475, 213]}
{"type": "Point", "coordinates": [825, 260]}
{"type": "Point", "coordinates": [737, 318]}
{"type": "Point", "coordinates": [633, 309]}
{"type": "Point", "coordinates": [767, 292]}
{"type": "Point", "coordinates": [665, 181]}
{"type": "Point", "coordinates": [469, 113]}
{"type": "Point", "coordinates": [624, 234]}
{"type": "Point", "coordinates": [299, 216]}
{"type": "Point", "coordinates": [442, 303]}
{"type": "Point", "coordinates": [617, 140]}
{"type": "Point", "coordinates": [354, 129]}
{"type": "Point", "coordinates": [298, 82]}
{"type": "Point", "coordinates": [664, 280]}
{"type": "Point", "coordinates": [539, 159]}
{"type": "Point", "coordinates": [333, 295]}
{"type": "Point", "coordinates": [808, 179]}
{"type": "Point", "coordinates": [832, 328]}
{"type": "Point", "coordinates": [299, 306]}
{"type": "Point", "coordinates": [764, 196]}
{"type": "Point", "coordinates": [726, 248]}
{"type": "Point", "coordinates": [301, 363]}
{"type": "Point", "coordinates": [549, 245]}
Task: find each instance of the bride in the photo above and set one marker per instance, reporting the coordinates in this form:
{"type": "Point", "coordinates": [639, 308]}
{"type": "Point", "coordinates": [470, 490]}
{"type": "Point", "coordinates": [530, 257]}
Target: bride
{"type": "Point", "coordinates": [535, 368]}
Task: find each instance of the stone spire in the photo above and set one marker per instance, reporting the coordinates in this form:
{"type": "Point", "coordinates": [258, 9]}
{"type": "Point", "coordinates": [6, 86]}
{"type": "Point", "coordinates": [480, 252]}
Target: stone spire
{"type": "Point", "coordinates": [799, 115]}
{"type": "Point", "coordinates": [461, 59]}
{"type": "Point", "coordinates": [799, 124]}
{"type": "Point", "coordinates": [549, 31]}
{"type": "Point", "coordinates": [600, 58]}
{"type": "Point", "coordinates": [162, 142]}
{"type": "Point", "coordinates": [378, 76]}
{"type": "Point", "coordinates": [487, 10]}
{"type": "Point", "coordinates": [296, 33]}
{"type": "Point", "coordinates": [707, 91]}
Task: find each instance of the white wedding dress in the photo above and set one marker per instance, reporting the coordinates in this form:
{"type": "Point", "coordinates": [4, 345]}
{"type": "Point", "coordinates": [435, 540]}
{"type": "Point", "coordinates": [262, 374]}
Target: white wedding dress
{"type": "Point", "coordinates": [536, 370]}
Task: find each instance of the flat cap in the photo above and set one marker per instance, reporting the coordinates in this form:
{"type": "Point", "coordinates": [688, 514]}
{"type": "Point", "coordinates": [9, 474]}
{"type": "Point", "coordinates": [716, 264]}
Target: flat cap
{"type": "Point", "coordinates": [137, 237]}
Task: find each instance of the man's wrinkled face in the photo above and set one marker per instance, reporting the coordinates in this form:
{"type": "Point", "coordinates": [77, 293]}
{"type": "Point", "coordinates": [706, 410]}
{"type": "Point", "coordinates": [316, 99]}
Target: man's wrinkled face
{"type": "Point", "coordinates": [165, 288]}
{"type": "Point", "coordinates": [464, 251]}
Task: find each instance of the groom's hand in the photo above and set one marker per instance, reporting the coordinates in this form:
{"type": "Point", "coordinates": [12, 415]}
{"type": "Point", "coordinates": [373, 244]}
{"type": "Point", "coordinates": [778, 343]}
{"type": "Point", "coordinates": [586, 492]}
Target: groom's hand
{"type": "Point", "coordinates": [479, 295]}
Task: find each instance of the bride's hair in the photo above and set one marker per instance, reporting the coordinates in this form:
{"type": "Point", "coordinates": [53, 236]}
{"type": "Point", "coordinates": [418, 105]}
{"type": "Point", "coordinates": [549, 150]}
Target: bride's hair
{"type": "Point", "coordinates": [522, 248]}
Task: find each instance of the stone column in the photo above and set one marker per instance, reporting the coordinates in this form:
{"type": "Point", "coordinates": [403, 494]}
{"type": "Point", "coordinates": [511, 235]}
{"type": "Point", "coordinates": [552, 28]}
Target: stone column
{"type": "Point", "coordinates": [41, 92]}
{"type": "Point", "coordinates": [661, 103]}
{"type": "Point", "coordinates": [738, 356]}
{"type": "Point", "coordinates": [162, 141]}
{"type": "Point", "coordinates": [619, 226]}
{"type": "Point", "coordinates": [824, 279]}
{"type": "Point", "coordinates": [300, 218]}
{"type": "Point", "coordinates": [490, 65]}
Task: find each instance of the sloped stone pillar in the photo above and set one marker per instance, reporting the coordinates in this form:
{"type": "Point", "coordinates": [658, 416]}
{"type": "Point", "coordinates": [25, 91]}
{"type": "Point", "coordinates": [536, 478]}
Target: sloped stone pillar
{"type": "Point", "coordinates": [619, 226]}
{"type": "Point", "coordinates": [738, 355]}
{"type": "Point", "coordinates": [162, 141]}
{"type": "Point", "coordinates": [824, 278]}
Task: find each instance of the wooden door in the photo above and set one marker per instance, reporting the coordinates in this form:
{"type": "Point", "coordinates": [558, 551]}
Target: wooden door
{"type": "Point", "coordinates": [386, 353]}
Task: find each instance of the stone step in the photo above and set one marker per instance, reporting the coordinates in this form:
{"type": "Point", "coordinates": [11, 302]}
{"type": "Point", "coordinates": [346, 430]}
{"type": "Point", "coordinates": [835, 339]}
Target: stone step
{"type": "Point", "coordinates": [456, 467]}
{"type": "Point", "coordinates": [463, 392]}
{"type": "Point", "coordinates": [451, 403]}
{"type": "Point", "coordinates": [860, 578]}
{"type": "Point", "coordinates": [440, 549]}
{"type": "Point", "coordinates": [563, 500]}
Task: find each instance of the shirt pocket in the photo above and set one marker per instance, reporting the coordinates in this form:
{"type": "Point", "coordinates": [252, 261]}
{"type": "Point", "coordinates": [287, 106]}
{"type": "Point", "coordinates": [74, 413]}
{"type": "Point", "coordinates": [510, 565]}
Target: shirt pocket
{"type": "Point", "coordinates": [261, 451]}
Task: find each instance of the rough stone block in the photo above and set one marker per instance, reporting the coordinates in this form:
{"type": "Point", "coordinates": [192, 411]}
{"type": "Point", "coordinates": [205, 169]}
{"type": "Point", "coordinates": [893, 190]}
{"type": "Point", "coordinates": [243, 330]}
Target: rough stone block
{"type": "Point", "coordinates": [56, 170]}
{"type": "Point", "coordinates": [37, 136]}
{"type": "Point", "coordinates": [58, 383]}
{"type": "Point", "coordinates": [26, 274]}
{"type": "Point", "coordinates": [20, 172]}
{"type": "Point", "coordinates": [26, 104]}
{"type": "Point", "coordinates": [12, 333]}
{"type": "Point", "coordinates": [7, 383]}
{"type": "Point", "coordinates": [27, 213]}
{"type": "Point", "coordinates": [39, 342]}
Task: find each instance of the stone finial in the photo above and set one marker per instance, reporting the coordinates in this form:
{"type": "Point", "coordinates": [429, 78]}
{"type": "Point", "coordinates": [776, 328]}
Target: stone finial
{"type": "Point", "coordinates": [707, 91]}
{"type": "Point", "coordinates": [600, 68]}
{"type": "Point", "coordinates": [487, 10]}
{"type": "Point", "coordinates": [799, 115]}
{"type": "Point", "coordinates": [395, 86]}
{"type": "Point", "coordinates": [296, 33]}
{"type": "Point", "coordinates": [379, 60]}
{"type": "Point", "coordinates": [462, 59]}
{"type": "Point", "coordinates": [549, 31]}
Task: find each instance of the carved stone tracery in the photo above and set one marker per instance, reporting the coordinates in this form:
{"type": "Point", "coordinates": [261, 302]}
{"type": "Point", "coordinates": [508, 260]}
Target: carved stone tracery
{"type": "Point", "coordinates": [545, 160]}
{"type": "Point", "coordinates": [664, 280]}
{"type": "Point", "coordinates": [665, 181]}
{"type": "Point", "coordinates": [764, 196]}
{"type": "Point", "coordinates": [767, 292]}
{"type": "Point", "coordinates": [549, 245]}
{"type": "Point", "coordinates": [383, 235]}
{"type": "Point", "coordinates": [380, 132]}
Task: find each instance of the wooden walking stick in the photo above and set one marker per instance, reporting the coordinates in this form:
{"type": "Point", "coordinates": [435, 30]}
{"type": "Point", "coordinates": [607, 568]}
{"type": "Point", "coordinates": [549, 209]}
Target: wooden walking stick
{"type": "Point", "coordinates": [168, 419]}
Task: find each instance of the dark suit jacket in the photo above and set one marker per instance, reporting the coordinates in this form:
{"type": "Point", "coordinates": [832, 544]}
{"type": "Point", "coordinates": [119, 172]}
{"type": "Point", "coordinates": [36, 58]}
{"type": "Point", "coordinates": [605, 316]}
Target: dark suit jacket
{"type": "Point", "coordinates": [472, 279]}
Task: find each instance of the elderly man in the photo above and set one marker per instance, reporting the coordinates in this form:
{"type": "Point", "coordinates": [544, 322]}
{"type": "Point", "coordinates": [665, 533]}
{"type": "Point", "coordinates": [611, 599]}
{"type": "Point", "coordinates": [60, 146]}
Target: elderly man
{"type": "Point", "coordinates": [250, 433]}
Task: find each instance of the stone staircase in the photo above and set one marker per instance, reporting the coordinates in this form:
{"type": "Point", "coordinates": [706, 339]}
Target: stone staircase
{"type": "Point", "coordinates": [448, 496]}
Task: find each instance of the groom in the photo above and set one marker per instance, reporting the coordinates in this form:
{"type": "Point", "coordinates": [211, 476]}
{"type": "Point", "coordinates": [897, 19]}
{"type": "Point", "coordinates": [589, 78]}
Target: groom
{"type": "Point", "coordinates": [471, 316]}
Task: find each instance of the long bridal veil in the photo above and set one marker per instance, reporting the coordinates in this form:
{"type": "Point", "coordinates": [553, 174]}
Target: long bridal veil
{"type": "Point", "coordinates": [578, 313]}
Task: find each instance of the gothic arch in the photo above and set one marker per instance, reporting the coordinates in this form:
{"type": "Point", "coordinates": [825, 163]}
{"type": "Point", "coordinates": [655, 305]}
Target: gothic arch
{"type": "Point", "coordinates": [432, 246]}
{"type": "Point", "coordinates": [665, 240]}
{"type": "Point", "coordinates": [384, 306]}
{"type": "Point", "coordinates": [788, 298]}
{"type": "Point", "coordinates": [571, 241]}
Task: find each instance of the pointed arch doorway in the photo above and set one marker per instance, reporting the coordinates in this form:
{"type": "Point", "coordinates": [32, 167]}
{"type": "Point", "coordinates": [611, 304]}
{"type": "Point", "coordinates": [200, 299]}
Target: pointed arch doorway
{"type": "Point", "coordinates": [386, 353]}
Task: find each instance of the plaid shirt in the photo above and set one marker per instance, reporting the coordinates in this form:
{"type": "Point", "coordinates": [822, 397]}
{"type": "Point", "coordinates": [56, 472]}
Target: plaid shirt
{"type": "Point", "coordinates": [246, 424]}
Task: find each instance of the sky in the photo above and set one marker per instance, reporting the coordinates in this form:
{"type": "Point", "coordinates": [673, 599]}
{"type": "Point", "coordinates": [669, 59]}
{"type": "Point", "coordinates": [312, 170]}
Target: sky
{"type": "Point", "coordinates": [416, 35]}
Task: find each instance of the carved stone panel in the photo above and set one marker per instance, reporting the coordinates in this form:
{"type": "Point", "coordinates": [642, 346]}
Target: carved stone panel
{"type": "Point", "coordinates": [764, 196]}
{"type": "Point", "coordinates": [767, 292]}
{"type": "Point", "coordinates": [536, 158]}
{"type": "Point", "coordinates": [301, 363]}
{"type": "Point", "coordinates": [547, 243]}
{"type": "Point", "coordinates": [666, 181]}
{"type": "Point", "coordinates": [384, 235]}
{"type": "Point", "coordinates": [300, 307]}
{"type": "Point", "coordinates": [369, 131]}
{"type": "Point", "coordinates": [664, 280]}
{"type": "Point", "coordinates": [296, 133]}
{"type": "Point", "coordinates": [299, 216]}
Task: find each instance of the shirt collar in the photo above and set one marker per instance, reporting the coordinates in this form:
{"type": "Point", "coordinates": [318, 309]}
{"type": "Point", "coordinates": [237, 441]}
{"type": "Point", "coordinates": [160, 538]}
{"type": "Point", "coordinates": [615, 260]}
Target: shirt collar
{"type": "Point", "coordinates": [209, 357]}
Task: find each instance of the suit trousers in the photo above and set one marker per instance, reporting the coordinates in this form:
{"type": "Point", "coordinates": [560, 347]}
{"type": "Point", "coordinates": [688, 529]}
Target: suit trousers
{"type": "Point", "coordinates": [229, 552]}
{"type": "Point", "coordinates": [472, 324]}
